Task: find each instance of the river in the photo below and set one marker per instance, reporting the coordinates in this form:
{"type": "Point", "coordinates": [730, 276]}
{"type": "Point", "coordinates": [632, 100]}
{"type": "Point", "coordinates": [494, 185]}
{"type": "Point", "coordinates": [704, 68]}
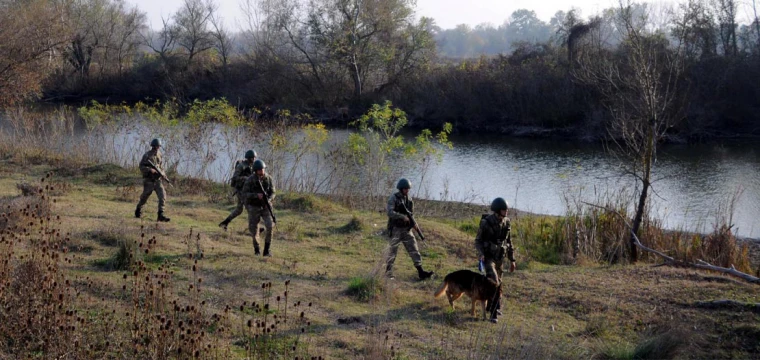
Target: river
{"type": "Point", "coordinates": [694, 183]}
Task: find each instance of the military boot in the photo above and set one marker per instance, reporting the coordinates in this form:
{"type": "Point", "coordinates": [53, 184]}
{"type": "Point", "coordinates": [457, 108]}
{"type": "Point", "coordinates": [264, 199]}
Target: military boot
{"type": "Point", "coordinates": [489, 306]}
{"type": "Point", "coordinates": [138, 212]}
{"type": "Point", "coordinates": [224, 224]}
{"type": "Point", "coordinates": [162, 218]}
{"type": "Point", "coordinates": [266, 250]}
{"type": "Point", "coordinates": [423, 274]}
{"type": "Point", "coordinates": [495, 311]}
{"type": "Point", "coordinates": [494, 307]}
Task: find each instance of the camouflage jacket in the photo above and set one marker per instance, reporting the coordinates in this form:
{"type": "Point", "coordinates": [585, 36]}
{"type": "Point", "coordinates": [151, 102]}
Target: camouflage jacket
{"type": "Point", "coordinates": [243, 169]}
{"type": "Point", "coordinates": [154, 157]}
{"type": "Point", "coordinates": [395, 209]}
{"type": "Point", "coordinates": [494, 239]}
{"type": "Point", "coordinates": [252, 187]}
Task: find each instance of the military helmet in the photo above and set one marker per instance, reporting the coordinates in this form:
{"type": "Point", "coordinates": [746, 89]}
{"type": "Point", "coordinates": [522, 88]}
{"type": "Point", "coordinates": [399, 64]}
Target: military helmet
{"type": "Point", "coordinates": [499, 204]}
{"type": "Point", "coordinates": [155, 142]}
{"type": "Point", "coordinates": [259, 165]}
{"type": "Point", "coordinates": [250, 154]}
{"type": "Point", "coordinates": [403, 184]}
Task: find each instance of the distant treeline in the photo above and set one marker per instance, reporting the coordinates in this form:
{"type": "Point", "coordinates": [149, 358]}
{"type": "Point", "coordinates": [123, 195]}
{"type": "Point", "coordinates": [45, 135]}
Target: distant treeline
{"type": "Point", "coordinates": [334, 58]}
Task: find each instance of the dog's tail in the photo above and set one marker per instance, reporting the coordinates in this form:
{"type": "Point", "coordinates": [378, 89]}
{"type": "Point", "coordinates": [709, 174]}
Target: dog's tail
{"type": "Point", "coordinates": [442, 289]}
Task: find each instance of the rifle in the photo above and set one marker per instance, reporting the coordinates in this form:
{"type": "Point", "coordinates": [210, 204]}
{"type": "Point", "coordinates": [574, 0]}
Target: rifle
{"type": "Point", "coordinates": [161, 173]}
{"type": "Point", "coordinates": [413, 222]}
{"type": "Point", "coordinates": [266, 199]}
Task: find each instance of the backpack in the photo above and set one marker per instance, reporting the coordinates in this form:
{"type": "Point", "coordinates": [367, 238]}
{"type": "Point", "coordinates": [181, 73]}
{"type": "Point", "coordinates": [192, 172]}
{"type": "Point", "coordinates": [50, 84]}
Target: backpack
{"type": "Point", "coordinates": [234, 183]}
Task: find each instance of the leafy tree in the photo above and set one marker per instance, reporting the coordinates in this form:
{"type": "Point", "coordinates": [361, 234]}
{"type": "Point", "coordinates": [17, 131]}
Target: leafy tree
{"type": "Point", "coordinates": [369, 43]}
{"type": "Point", "coordinates": [31, 31]}
{"type": "Point", "coordinates": [379, 142]}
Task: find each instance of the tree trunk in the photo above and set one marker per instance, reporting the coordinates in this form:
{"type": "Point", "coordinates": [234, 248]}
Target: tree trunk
{"type": "Point", "coordinates": [645, 184]}
{"type": "Point", "coordinates": [637, 220]}
{"type": "Point", "coordinates": [357, 79]}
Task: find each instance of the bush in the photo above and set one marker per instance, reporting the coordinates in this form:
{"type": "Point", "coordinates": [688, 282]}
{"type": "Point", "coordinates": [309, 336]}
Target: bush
{"type": "Point", "coordinates": [364, 288]}
{"type": "Point", "coordinates": [354, 225]}
{"type": "Point", "coordinates": [108, 237]}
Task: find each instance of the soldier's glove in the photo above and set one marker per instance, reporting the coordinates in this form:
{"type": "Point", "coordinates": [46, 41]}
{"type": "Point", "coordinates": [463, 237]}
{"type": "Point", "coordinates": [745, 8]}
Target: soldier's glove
{"type": "Point", "coordinates": [511, 253]}
{"type": "Point", "coordinates": [406, 220]}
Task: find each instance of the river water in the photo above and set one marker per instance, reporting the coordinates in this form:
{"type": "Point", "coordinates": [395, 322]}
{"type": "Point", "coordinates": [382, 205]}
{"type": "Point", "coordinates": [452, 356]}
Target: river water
{"type": "Point", "coordinates": [694, 183]}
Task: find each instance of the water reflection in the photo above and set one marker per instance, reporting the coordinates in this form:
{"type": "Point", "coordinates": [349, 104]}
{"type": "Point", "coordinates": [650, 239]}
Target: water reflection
{"type": "Point", "coordinates": [693, 181]}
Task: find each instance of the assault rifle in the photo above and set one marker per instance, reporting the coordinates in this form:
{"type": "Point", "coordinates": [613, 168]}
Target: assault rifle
{"type": "Point", "coordinates": [413, 222]}
{"type": "Point", "coordinates": [161, 173]}
{"type": "Point", "coordinates": [266, 199]}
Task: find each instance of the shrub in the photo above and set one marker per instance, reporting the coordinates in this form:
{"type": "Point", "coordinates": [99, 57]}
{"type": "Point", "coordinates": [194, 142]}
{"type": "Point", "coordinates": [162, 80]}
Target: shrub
{"type": "Point", "coordinates": [354, 225]}
{"type": "Point", "coordinates": [364, 288]}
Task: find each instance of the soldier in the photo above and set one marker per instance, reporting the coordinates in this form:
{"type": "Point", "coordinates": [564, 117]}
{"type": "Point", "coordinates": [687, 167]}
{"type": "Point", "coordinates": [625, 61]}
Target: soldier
{"type": "Point", "coordinates": [493, 242]}
{"type": "Point", "coordinates": [152, 180]}
{"type": "Point", "coordinates": [243, 169]}
{"type": "Point", "coordinates": [400, 229]}
{"type": "Point", "coordinates": [257, 189]}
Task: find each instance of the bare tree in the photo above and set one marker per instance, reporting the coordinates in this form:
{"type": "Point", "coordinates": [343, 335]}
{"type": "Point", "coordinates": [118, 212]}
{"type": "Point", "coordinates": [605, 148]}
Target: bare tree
{"type": "Point", "coordinates": [163, 41]}
{"type": "Point", "coordinates": [192, 23]}
{"type": "Point", "coordinates": [725, 11]}
{"type": "Point", "coordinates": [79, 55]}
{"type": "Point", "coordinates": [106, 35]}
{"type": "Point", "coordinates": [696, 30]}
{"type": "Point", "coordinates": [640, 87]}
{"type": "Point", "coordinates": [364, 45]}
{"type": "Point", "coordinates": [31, 33]}
{"type": "Point", "coordinates": [222, 40]}
{"type": "Point", "coordinates": [127, 36]}
{"type": "Point", "coordinates": [756, 22]}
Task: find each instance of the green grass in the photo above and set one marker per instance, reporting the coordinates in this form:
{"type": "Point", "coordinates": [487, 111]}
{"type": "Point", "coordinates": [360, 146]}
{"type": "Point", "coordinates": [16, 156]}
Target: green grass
{"type": "Point", "coordinates": [551, 311]}
{"type": "Point", "coordinates": [364, 288]}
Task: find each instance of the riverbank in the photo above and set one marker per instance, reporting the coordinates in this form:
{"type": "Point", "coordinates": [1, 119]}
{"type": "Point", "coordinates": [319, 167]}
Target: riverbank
{"type": "Point", "coordinates": [341, 120]}
{"type": "Point", "coordinates": [331, 257]}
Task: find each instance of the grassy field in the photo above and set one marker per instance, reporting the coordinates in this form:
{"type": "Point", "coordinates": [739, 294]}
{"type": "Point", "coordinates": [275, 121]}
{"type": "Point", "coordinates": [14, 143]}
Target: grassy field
{"type": "Point", "coordinates": [330, 257]}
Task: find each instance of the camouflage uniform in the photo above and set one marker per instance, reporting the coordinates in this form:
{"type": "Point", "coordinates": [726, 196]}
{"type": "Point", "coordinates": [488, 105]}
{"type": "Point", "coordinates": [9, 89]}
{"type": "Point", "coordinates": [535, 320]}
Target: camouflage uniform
{"type": "Point", "coordinates": [401, 231]}
{"type": "Point", "coordinates": [152, 181]}
{"type": "Point", "coordinates": [243, 169]}
{"type": "Point", "coordinates": [494, 242]}
{"type": "Point", "coordinates": [257, 209]}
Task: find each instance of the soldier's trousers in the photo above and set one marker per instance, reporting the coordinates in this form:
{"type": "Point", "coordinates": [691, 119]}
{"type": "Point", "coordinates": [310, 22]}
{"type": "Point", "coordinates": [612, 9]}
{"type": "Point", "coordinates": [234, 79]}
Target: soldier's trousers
{"type": "Point", "coordinates": [405, 236]}
{"type": "Point", "coordinates": [238, 209]}
{"type": "Point", "coordinates": [494, 271]}
{"type": "Point", "coordinates": [494, 268]}
{"type": "Point", "coordinates": [149, 186]}
{"type": "Point", "coordinates": [256, 214]}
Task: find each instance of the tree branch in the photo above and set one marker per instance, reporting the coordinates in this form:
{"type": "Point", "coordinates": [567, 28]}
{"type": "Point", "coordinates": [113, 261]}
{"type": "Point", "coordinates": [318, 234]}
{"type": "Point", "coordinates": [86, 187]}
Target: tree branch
{"type": "Point", "coordinates": [673, 262]}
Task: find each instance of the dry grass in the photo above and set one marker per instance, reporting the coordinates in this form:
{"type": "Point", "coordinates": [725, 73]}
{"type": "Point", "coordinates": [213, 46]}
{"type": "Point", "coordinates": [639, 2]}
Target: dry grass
{"type": "Point", "coordinates": [191, 272]}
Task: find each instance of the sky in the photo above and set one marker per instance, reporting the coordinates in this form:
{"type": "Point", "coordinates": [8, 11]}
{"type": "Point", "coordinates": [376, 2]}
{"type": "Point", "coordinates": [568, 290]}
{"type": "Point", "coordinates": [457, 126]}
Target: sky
{"type": "Point", "coordinates": [446, 13]}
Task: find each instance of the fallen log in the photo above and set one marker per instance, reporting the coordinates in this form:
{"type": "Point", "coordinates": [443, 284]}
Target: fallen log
{"type": "Point", "coordinates": [671, 261]}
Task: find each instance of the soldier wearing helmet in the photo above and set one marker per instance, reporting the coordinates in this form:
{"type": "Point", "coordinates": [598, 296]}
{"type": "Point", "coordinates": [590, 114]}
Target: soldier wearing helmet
{"type": "Point", "coordinates": [400, 229]}
{"type": "Point", "coordinates": [152, 180]}
{"type": "Point", "coordinates": [493, 243]}
{"type": "Point", "coordinates": [243, 169]}
{"type": "Point", "coordinates": [254, 190]}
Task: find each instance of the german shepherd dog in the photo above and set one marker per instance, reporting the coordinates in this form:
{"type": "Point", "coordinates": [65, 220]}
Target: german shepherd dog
{"type": "Point", "coordinates": [478, 287]}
